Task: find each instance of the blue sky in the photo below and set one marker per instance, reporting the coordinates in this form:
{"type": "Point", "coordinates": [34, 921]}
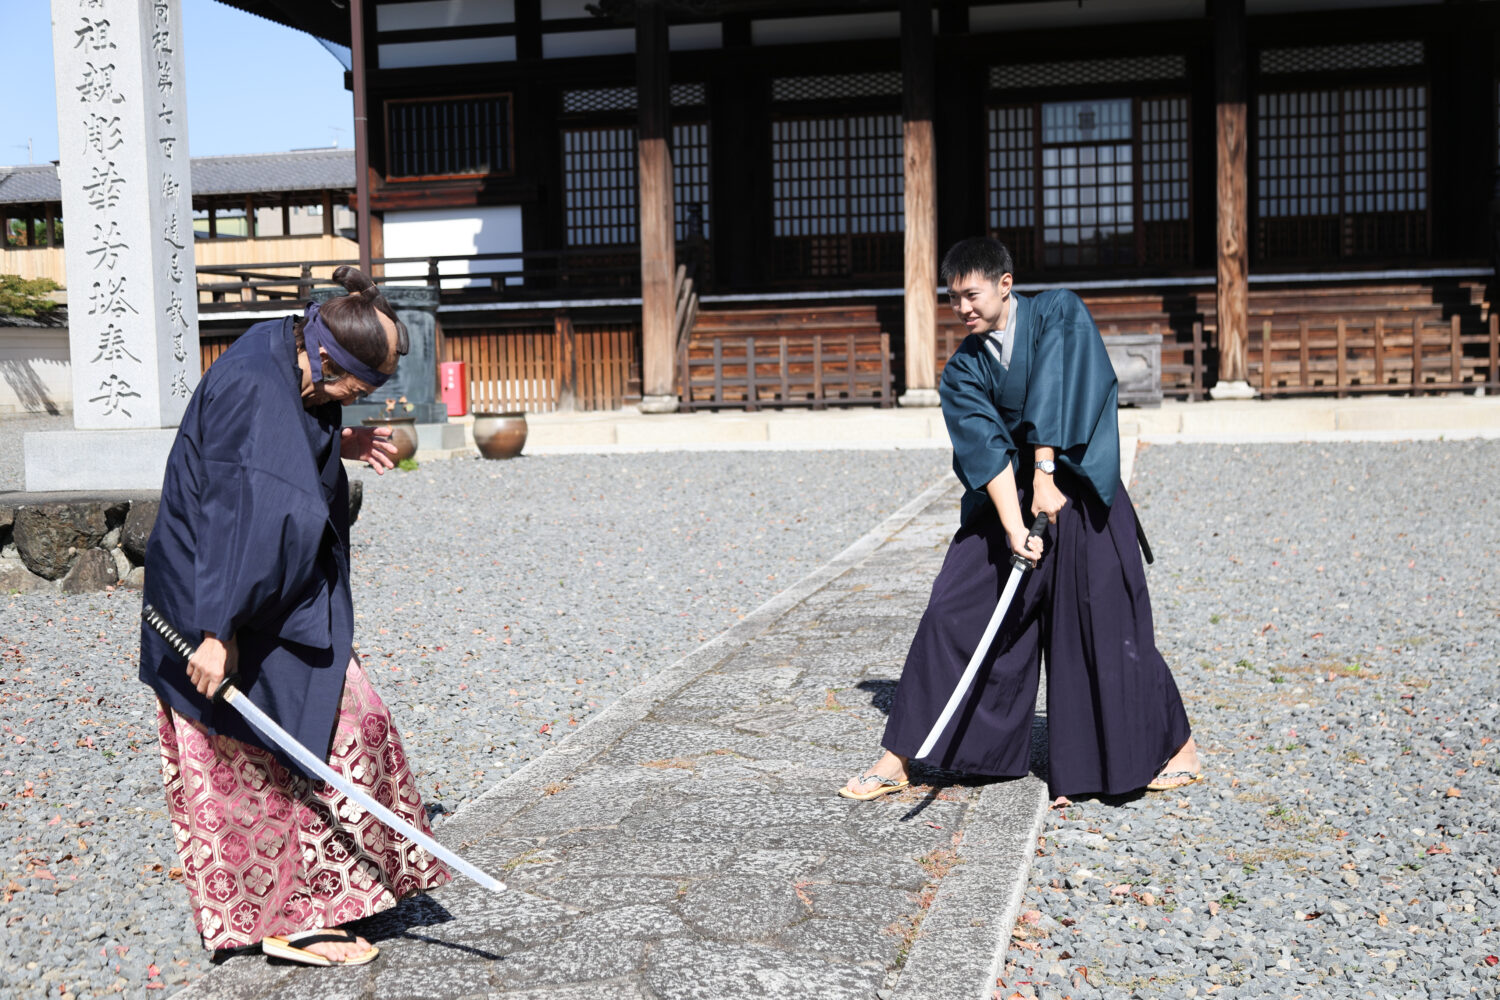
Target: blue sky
{"type": "Point", "coordinates": [253, 86]}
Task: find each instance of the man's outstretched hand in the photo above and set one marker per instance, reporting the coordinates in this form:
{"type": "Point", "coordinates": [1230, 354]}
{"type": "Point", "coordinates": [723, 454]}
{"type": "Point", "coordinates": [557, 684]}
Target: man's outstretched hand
{"type": "Point", "coordinates": [371, 445]}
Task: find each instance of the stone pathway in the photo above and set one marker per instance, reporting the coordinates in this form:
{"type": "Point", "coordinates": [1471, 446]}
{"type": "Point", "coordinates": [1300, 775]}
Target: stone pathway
{"type": "Point", "coordinates": [687, 843]}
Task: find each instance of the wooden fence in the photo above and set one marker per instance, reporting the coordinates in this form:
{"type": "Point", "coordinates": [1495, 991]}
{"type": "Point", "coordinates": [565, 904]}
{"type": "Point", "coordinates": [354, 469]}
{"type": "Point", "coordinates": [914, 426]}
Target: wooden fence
{"type": "Point", "coordinates": [1340, 356]}
{"type": "Point", "coordinates": [537, 369]}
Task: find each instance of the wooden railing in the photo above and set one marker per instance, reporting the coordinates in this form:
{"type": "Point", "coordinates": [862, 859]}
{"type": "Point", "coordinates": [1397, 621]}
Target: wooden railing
{"type": "Point", "coordinates": [484, 277]}
{"type": "Point", "coordinates": [1340, 356]}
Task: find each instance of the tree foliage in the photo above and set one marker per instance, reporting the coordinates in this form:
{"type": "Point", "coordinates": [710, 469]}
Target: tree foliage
{"type": "Point", "coordinates": [26, 296]}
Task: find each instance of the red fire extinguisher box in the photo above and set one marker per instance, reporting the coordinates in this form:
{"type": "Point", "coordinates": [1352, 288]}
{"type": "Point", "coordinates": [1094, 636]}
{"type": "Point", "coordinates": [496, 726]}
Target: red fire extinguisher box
{"type": "Point", "coordinates": [455, 382]}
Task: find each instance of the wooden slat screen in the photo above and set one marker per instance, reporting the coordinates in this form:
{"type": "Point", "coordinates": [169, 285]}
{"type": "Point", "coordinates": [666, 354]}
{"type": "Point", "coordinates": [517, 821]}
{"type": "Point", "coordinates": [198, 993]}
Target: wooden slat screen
{"type": "Point", "coordinates": [511, 369]}
{"type": "Point", "coordinates": [606, 361]}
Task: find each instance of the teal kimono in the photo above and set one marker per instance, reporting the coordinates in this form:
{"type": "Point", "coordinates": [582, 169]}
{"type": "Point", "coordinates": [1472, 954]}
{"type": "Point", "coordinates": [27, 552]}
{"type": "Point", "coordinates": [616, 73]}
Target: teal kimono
{"type": "Point", "coordinates": [1060, 390]}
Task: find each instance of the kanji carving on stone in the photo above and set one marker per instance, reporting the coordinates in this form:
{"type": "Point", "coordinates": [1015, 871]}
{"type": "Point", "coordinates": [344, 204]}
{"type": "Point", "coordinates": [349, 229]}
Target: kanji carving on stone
{"type": "Point", "coordinates": [107, 246]}
{"type": "Point", "coordinates": [109, 299]}
{"type": "Point", "coordinates": [99, 84]}
{"type": "Point", "coordinates": [104, 187]}
{"type": "Point", "coordinates": [94, 34]}
{"type": "Point", "coordinates": [103, 133]}
{"type": "Point", "coordinates": [180, 387]}
{"type": "Point", "coordinates": [113, 391]}
{"type": "Point", "coordinates": [112, 345]}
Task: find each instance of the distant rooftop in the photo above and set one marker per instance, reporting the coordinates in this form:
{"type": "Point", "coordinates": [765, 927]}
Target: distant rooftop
{"type": "Point", "coordinates": [254, 173]}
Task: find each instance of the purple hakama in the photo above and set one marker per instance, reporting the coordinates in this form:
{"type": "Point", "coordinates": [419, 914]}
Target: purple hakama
{"type": "Point", "coordinates": [1114, 715]}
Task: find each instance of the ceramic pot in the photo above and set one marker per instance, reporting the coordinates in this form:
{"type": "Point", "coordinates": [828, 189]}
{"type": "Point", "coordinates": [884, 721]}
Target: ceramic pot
{"type": "Point", "coordinates": [403, 434]}
{"type": "Point", "coordinates": [500, 435]}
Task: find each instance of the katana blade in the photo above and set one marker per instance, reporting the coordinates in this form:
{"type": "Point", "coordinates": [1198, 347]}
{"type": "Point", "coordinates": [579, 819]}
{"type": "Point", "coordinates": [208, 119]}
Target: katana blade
{"type": "Point", "coordinates": [1019, 566]}
{"type": "Point", "coordinates": [268, 728]}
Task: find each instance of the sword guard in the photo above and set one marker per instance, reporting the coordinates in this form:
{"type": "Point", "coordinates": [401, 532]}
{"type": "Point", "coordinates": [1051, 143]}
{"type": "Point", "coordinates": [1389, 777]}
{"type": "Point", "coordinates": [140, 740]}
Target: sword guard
{"type": "Point", "coordinates": [223, 689]}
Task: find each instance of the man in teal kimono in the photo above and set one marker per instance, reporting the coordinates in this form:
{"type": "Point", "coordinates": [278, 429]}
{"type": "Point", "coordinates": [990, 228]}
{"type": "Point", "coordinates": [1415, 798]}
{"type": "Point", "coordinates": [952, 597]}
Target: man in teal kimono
{"type": "Point", "coordinates": [1029, 398]}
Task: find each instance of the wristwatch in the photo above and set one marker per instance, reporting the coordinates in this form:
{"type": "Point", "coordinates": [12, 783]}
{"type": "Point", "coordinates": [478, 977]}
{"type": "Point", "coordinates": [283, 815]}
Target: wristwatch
{"type": "Point", "coordinates": [1046, 465]}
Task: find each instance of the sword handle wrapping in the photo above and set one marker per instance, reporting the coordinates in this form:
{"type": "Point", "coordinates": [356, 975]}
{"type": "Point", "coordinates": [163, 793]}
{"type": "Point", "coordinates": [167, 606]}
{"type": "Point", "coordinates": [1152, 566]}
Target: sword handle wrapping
{"type": "Point", "coordinates": [1037, 527]}
{"type": "Point", "coordinates": [181, 646]}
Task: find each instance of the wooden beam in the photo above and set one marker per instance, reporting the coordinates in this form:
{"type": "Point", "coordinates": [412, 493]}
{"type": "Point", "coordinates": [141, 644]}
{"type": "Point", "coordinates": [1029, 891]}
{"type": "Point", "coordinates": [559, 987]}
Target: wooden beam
{"type": "Point", "coordinates": [567, 373]}
{"type": "Point", "coordinates": [361, 134]}
{"type": "Point", "coordinates": [1232, 292]}
{"type": "Point", "coordinates": [657, 237]}
{"type": "Point", "coordinates": [920, 196]}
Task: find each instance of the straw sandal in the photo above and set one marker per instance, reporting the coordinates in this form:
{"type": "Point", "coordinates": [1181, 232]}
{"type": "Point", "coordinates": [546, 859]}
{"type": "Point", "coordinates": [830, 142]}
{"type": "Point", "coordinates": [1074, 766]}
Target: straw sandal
{"type": "Point", "coordinates": [1166, 781]}
{"type": "Point", "coordinates": [883, 786]}
{"type": "Point", "coordinates": [293, 947]}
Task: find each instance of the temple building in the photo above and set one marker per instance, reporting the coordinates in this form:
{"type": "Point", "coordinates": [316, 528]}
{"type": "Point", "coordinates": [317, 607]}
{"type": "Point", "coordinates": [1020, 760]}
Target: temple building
{"type": "Point", "coordinates": [743, 202]}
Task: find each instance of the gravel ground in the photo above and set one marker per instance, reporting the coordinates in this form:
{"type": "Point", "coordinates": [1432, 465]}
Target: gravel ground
{"type": "Point", "coordinates": [13, 431]}
{"type": "Point", "coordinates": [500, 605]}
{"type": "Point", "coordinates": [1330, 612]}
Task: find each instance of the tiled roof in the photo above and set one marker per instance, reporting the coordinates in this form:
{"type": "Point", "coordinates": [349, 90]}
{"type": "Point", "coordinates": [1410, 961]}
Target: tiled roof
{"type": "Point", "coordinates": [259, 173]}
{"type": "Point", "coordinates": [20, 185]}
{"type": "Point", "coordinates": [305, 170]}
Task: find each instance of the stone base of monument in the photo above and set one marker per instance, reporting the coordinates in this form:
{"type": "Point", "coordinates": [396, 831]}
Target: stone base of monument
{"type": "Point", "coordinates": [77, 542]}
{"type": "Point", "coordinates": [97, 460]}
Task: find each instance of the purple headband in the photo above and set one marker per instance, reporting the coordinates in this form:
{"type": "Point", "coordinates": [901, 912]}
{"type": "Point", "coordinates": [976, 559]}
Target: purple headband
{"type": "Point", "coordinates": [315, 334]}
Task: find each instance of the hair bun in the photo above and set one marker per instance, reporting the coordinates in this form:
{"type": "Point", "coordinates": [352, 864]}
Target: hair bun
{"type": "Point", "coordinates": [354, 280]}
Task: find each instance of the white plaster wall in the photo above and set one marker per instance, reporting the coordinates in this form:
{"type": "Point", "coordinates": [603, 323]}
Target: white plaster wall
{"type": "Point", "coordinates": [450, 231]}
{"type": "Point", "coordinates": [35, 376]}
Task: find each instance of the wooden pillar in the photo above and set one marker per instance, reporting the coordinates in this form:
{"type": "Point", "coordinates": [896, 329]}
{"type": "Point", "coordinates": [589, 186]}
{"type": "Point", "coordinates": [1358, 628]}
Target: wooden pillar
{"type": "Point", "coordinates": [362, 230]}
{"type": "Point", "coordinates": [213, 222]}
{"type": "Point", "coordinates": [31, 228]}
{"type": "Point", "coordinates": [286, 214]}
{"type": "Point", "coordinates": [920, 196]}
{"type": "Point", "coordinates": [1232, 294]}
{"type": "Point", "coordinates": [250, 216]}
{"type": "Point", "coordinates": [658, 252]}
{"type": "Point", "coordinates": [327, 213]}
{"type": "Point", "coordinates": [51, 224]}
{"type": "Point", "coordinates": [375, 227]}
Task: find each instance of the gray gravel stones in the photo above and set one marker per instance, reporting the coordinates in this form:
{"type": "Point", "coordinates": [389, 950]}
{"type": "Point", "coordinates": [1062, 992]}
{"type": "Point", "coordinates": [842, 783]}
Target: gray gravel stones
{"type": "Point", "coordinates": [1330, 612]}
{"type": "Point", "coordinates": [501, 604]}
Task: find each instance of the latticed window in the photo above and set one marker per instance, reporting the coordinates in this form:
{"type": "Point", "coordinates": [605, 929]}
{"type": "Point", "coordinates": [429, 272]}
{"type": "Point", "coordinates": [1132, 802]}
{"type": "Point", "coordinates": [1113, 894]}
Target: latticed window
{"type": "Point", "coordinates": [836, 195]}
{"type": "Point", "coordinates": [454, 137]}
{"type": "Point", "coordinates": [601, 193]}
{"type": "Point", "coordinates": [1091, 183]}
{"type": "Point", "coordinates": [1342, 172]}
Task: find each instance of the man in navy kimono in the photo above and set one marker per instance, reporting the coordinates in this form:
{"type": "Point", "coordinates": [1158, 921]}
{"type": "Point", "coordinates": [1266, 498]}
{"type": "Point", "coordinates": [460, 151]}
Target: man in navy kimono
{"type": "Point", "coordinates": [1029, 398]}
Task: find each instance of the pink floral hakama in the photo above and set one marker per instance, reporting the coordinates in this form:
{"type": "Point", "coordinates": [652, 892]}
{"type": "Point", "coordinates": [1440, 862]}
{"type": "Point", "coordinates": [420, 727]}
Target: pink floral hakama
{"type": "Point", "coordinates": [267, 852]}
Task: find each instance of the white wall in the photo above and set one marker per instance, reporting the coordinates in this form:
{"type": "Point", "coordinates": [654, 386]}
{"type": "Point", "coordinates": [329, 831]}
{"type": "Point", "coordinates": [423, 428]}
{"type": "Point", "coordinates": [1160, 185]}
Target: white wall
{"type": "Point", "coordinates": [35, 376]}
{"type": "Point", "coordinates": [449, 231]}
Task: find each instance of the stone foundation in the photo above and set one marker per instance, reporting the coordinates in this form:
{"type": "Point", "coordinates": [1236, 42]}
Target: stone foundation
{"type": "Point", "coordinates": [74, 543]}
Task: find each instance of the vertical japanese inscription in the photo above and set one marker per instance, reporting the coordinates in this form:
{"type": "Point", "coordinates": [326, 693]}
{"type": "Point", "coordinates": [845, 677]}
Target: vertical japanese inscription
{"type": "Point", "coordinates": [109, 293]}
{"type": "Point", "coordinates": [126, 195]}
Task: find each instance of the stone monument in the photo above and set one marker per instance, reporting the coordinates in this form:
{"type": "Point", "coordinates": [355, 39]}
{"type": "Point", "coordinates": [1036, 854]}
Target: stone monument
{"type": "Point", "coordinates": [132, 285]}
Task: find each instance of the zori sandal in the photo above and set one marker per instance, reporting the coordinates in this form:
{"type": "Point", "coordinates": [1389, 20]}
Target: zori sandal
{"type": "Point", "coordinates": [883, 786]}
{"type": "Point", "coordinates": [1166, 781]}
{"type": "Point", "coordinates": [293, 947]}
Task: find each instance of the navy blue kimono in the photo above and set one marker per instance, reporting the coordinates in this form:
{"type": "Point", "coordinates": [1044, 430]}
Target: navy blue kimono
{"type": "Point", "coordinates": [252, 541]}
{"type": "Point", "coordinates": [1114, 715]}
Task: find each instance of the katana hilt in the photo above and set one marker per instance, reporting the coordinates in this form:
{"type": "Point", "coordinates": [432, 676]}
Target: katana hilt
{"type": "Point", "coordinates": [181, 646]}
{"type": "Point", "coordinates": [1037, 527]}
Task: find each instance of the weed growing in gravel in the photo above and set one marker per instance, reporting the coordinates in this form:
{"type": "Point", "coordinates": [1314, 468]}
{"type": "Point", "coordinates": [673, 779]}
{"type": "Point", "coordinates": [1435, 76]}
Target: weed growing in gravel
{"type": "Point", "coordinates": [1214, 619]}
{"type": "Point", "coordinates": [1231, 900]}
